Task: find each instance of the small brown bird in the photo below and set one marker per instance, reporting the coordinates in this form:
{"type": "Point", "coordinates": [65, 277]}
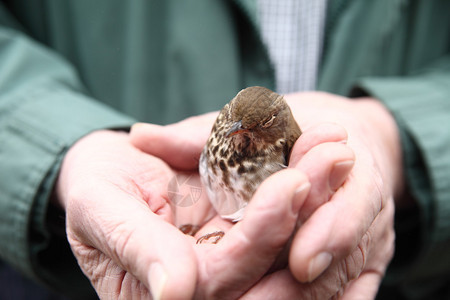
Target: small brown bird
{"type": "Point", "coordinates": [250, 140]}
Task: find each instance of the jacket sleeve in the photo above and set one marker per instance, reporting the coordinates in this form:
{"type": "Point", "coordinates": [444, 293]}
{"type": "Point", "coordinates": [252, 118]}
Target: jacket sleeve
{"type": "Point", "coordinates": [43, 111]}
{"type": "Point", "coordinates": [421, 106]}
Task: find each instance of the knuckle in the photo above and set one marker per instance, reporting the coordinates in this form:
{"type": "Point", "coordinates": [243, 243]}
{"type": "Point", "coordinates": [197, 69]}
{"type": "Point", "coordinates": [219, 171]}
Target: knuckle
{"type": "Point", "coordinates": [380, 192]}
{"type": "Point", "coordinates": [351, 267]}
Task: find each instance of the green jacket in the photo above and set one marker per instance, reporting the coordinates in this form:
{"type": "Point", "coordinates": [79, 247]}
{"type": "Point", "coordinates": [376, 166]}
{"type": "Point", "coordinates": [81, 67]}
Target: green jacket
{"type": "Point", "coordinates": [70, 67]}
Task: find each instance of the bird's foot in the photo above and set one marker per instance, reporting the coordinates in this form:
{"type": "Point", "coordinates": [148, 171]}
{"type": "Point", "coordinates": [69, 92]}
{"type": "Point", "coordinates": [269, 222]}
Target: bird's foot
{"type": "Point", "coordinates": [211, 238]}
{"type": "Point", "coordinates": [189, 229]}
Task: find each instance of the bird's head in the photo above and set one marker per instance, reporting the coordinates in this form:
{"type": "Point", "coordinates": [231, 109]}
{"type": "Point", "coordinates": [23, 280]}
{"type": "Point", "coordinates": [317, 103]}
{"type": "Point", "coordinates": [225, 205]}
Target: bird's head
{"type": "Point", "coordinates": [257, 117]}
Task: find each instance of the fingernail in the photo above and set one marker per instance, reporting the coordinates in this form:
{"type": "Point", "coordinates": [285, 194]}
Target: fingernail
{"type": "Point", "coordinates": [158, 279]}
{"type": "Point", "coordinates": [147, 126]}
{"type": "Point", "coordinates": [318, 264]}
{"type": "Point", "coordinates": [299, 196]}
{"type": "Point", "coordinates": [339, 173]}
{"type": "Point", "coordinates": [136, 125]}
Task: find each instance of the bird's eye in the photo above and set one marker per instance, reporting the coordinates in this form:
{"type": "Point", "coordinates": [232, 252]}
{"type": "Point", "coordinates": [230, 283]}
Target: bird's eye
{"type": "Point", "coordinates": [268, 122]}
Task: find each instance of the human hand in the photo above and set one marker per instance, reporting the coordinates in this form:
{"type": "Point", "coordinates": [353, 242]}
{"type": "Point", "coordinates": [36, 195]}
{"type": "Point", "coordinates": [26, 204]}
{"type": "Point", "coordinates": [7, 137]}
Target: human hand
{"type": "Point", "coordinates": [180, 145]}
{"type": "Point", "coordinates": [121, 226]}
{"type": "Point", "coordinates": [346, 240]}
{"type": "Point", "coordinates": [352, 222]}
{"type": "Point", "coordinates": [118, 220]}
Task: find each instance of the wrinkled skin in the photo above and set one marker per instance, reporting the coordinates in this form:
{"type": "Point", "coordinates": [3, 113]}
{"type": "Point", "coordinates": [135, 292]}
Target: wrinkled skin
{"type": "Point", "coordinates": [122, 230]}
{"type": "Point", "coordinates": [344, 172]}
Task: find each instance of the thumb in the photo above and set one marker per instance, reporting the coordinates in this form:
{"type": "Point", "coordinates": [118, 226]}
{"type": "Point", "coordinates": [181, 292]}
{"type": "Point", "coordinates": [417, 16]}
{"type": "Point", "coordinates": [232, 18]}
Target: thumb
{"type": "Point", "coordinates": [178, 144]}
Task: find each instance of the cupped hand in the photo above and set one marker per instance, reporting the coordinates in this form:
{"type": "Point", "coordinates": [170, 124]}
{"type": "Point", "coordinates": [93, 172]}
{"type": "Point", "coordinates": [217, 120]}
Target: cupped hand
{"type": "Point", "coordinates": [345, 239]}
{"type": "Point", "coordinates": [122, 226]}
{"type": "Point", "coordinates": [119, 221]}
{"type": "Point", "coordinates": [180, 145]}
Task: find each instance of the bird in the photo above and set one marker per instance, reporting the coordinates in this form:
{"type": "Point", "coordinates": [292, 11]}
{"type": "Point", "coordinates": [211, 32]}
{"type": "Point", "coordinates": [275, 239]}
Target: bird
{"type": "Point", "coordinates": [251, 139]}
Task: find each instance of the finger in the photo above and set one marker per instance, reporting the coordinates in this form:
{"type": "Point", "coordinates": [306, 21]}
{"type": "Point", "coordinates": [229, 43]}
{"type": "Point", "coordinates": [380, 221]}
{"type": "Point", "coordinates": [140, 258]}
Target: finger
{"type": "Point", "coordinates": [337, 227]}
{"type": "Point", "coordinates": [327, 166]}
{"type": "Point", "coordinates": [178, 144]}
{"type": "Point", "coordinates": [365, 265]}
{"type": "Point", "coordinates": [137, 240]}
{"type": "Point", "coordinates": [282, 285]}
{"type": "Point", "coordinates": [364, 287]}
{"type": "Point", "coordinates": [278, 285]}
{"type": "Point", "coordinates": [250, 247]}
{"type": "Point", "coordinates": [315, 135]}
{"type": "Point", "coordinates": [337, 280]}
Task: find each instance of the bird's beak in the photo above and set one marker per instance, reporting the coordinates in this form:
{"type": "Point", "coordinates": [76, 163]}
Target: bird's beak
{"type": "Point", "coordinates": [235, 129]}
